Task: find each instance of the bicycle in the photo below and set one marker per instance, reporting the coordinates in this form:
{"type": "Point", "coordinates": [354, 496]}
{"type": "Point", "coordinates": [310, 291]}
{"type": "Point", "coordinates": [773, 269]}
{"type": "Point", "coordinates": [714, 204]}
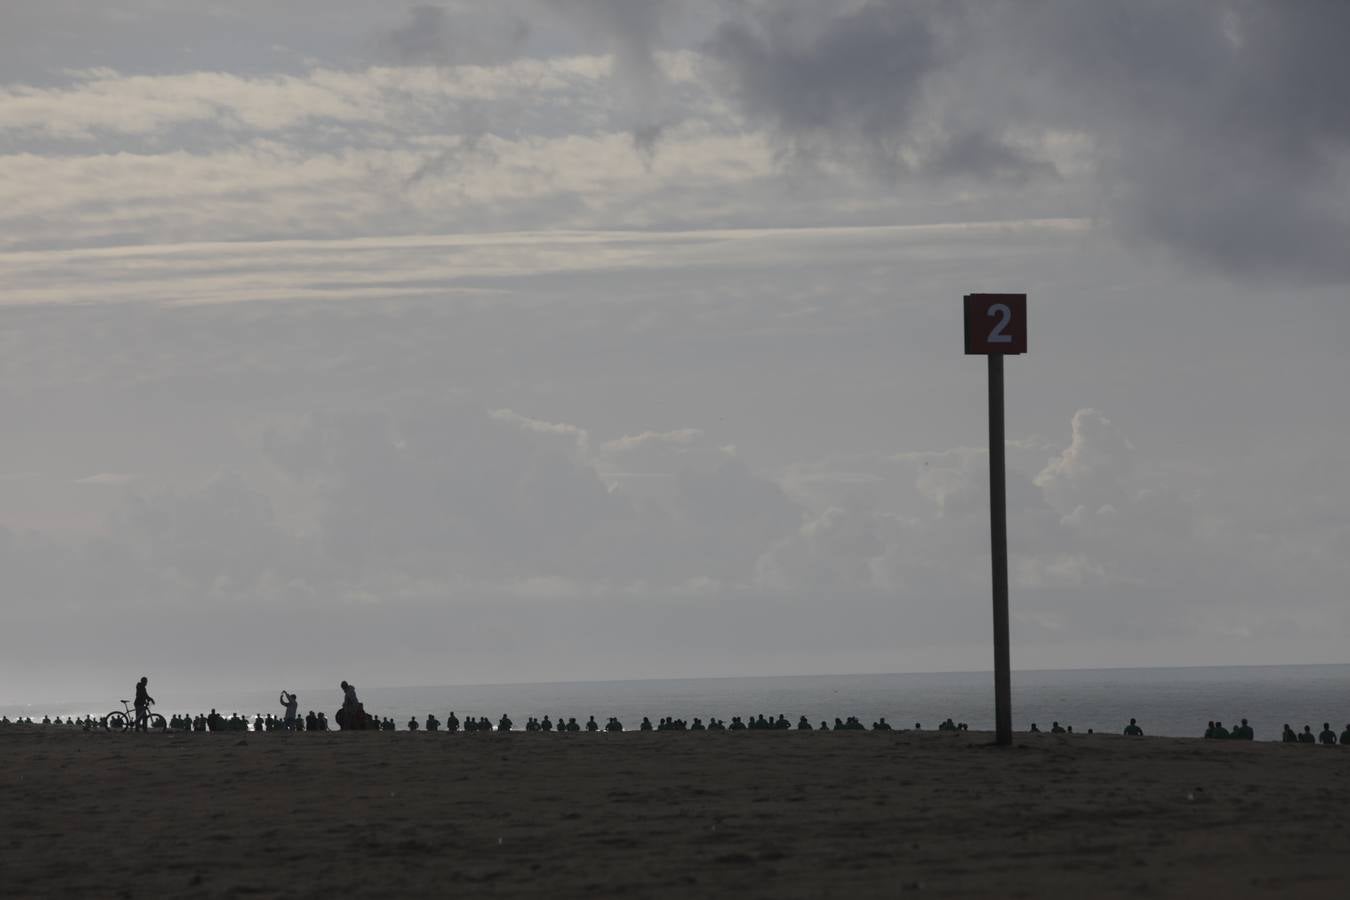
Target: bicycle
{"type": "Point", "coordinates": [126, 718]}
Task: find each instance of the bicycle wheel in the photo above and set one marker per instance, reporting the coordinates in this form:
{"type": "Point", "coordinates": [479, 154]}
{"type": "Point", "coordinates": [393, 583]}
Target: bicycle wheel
{"type": "Point", "coordinates": [115, 721]}
{"type": "Point", "coordinates": [156, 722]}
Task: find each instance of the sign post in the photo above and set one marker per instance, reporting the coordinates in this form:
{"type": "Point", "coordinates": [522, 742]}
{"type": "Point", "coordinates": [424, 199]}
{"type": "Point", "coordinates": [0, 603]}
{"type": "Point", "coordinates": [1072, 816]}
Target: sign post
{"type": "Point", "coordinates": [996, 326]}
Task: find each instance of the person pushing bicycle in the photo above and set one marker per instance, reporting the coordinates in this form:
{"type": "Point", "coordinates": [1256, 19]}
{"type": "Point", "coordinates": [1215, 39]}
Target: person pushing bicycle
{"type": "Point", "coordinates": [143, 703]}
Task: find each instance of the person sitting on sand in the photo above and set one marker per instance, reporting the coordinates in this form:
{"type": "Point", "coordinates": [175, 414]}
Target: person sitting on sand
{"type": "Point", "coordinates": [545, 724]}
{"type": "Point", "coordinates": [1220, 733]}
{"type": "Point", "coordinates": [1243, 732]}
{"type": "Point", "coordinates": [1288, 736]}
{"type": "Point", "coordinates": [1056, 728]}
{"type": "Point", "coordinates": [881, 725]}
{"type": "Point", "coordinates": [803, 725]}
{"type": "Point", "coordinates": [290, 702]}
{"type": "Point", "coordinates": [1133, 729]}
{"type": "Point", "coordinates": [433, 723]}
{"type": "Point", "coordinates": [1034, 729]}
{"type": "Point", "coordinates": [1327, 736]}
{"type": "Point", "coordinates": [1306, 736]}
{"type": "Point", "coordinates": [592, 725]}
{"type": "Point", "coordinates": [1345, 735]}
{"type": "Point", "coordinates": [613, 725]}
{"type": "Point", "coordinates": [505, 723]}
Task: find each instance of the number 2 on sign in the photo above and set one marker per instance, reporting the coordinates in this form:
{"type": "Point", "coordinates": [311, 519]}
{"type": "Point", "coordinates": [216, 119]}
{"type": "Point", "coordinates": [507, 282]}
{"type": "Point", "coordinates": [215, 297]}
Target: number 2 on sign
{"type": "Point", "coordinates": [997, 336]}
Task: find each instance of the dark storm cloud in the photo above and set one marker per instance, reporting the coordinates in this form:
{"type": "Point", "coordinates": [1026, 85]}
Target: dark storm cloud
{"type": "Point", "coordinates": [1217, 130]}
{"type": "Point", "coordinates": [437, 35]}
{"type": "Point", "coordinates": [832, 80]}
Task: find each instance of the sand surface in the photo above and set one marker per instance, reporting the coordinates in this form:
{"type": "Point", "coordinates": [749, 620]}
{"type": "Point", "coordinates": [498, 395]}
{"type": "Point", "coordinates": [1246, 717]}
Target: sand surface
{"type": "Point", "coordinates": [668, 815]}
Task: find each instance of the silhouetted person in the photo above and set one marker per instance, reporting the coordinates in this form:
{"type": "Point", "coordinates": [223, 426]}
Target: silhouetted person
{"type": "Point", "coordinates": [615, 725]}
{"type": "Point", "coordinates": [882, 725]}
{"type": "Point", "coordinates": [311, 721]}
{"type": "Point", "coordinates": [592, 725]}
{"type": "Point", "coordinates": [546, 724]}
{"type": "Point", "coordinates": [1306, 736]}
{"type": "Point", "coordinates": [1220, 733]}
{"type": "Point", "coordinates": [1288, 736]}
{"type": "Point", "coordinates": [1244, 732]}
{"type": "Point", "coordinates": [505, 723]}
{"type": "Point", "coordinates": [1345, 735]}
{"type": "Point", "coordinates": [452, 722]}
{"type": "Point", "coordinates": [412, 724]}
{"type": "Point", "coordinates": [1327, 736]}
{"type": "Point", "coordinates": [353, 716]}
{"type": "Point", "coordinates": [143, 703]}
{"type": "Point", "coordinates": [1133, 730]}
{"type": "Point", "coordinates": [803, 725]}
{"type": "Point", "coordinates": [1209, 730]}
{"type": "Point", "coordinates": [1034, 729]}
{"type": "Point", "coordinates": [1056, 728]}
{"type": "Point", "coordinates": [289, 701]}
{"type": "Point", "coordinates": [433, 723]}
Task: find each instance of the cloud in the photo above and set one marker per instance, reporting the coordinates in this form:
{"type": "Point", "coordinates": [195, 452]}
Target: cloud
{"type": "Point", "coordinates": [847, 80]}
{"type": "Point", "coordinates": [457, 34]}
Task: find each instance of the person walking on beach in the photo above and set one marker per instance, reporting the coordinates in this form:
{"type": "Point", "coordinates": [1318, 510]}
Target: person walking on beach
{"type": "Point", "coordinates": [289, 701]}
{"type": "Point", "coordinates": [143, 703]}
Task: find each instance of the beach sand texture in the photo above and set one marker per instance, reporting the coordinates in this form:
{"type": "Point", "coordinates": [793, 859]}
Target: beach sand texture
{"type": "Point", "coordinates": [668, 815]}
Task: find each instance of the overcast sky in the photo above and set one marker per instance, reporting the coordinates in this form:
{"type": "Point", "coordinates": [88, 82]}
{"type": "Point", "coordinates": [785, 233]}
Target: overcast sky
{"type": "Point", "coordinates": [570, 339]}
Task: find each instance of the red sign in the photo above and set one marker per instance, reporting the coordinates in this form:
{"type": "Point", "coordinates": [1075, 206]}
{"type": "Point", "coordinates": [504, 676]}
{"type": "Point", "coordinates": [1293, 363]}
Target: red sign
{"type": "Point", "coordinates": [996, 324]}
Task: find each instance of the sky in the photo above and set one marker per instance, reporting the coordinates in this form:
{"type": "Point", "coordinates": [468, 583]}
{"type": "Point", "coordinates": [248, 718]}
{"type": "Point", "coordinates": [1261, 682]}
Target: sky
{"type": "Point", "coordinates": [553, 340]}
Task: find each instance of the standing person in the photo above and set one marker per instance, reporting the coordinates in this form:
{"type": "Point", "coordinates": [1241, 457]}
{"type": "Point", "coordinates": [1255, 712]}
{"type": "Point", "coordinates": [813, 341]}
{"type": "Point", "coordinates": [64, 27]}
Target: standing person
{"type": "Point", "coordinates": [289, 701]}
{"type": "Point", "coordinates": [143, 703]}
{"type": "Point", "coordinates": [351, 708]}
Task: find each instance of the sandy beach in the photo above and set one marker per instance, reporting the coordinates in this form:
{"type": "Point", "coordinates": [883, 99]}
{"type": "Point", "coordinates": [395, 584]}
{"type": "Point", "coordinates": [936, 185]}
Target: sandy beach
{"type": "Point", "coordinates": [668, 815]}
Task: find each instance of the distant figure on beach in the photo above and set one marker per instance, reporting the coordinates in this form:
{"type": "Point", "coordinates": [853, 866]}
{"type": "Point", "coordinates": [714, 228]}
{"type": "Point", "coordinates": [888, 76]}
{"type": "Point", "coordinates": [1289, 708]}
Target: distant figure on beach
{"type": "Point", "coordinates": [353, 716]}
{"type": "Point", "coordinates": [803, 725]}
{"type": "Point", "coordinates": [592, 725]}
{"type": "Point", "coordinates": [1345, 735]}
{"type": "Point", "coordinates": [433, 723]}
{"type": "Point", "coordinates": [1243, 732]}
{"type": "Point", "coordinates": [505, 723]}
{"type": "Point", "coordinates": [1306, 736]}
{"type": "Point", "coordinates": [412, 724]}
{"type": "Point", "coordinates": [1288, 736]}
{"type": "Point", "coordinates": [143, 703]}
{"type": "Point", "coordinates": [882, 725]}
{"type": "Point", "coordinates": [1220, 733]}
{"type": "Point", "coordinates": [1133, 730]}
{"type": "Point", "coordinates": [1327, 736]}
{"type": "Point", "coordinates": [1034, 729]}
{"type": "Point", "coordinates": [1056, 728]}
{"type": "Point", "coordinates": [289, 701]}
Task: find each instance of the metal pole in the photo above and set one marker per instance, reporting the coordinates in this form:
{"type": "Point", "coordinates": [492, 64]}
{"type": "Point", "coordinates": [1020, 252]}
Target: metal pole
{"type": "Point", "coordinates": [998, 531]}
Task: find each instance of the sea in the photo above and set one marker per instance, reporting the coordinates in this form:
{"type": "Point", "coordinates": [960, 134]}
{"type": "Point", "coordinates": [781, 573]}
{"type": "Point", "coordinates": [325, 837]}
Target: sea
{"type": "Point", "coordinates": [1176, 702]}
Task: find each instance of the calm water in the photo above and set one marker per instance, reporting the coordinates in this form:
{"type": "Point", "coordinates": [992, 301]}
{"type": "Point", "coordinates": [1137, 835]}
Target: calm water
{"type": "Point", "coordinates": [1176, 702]}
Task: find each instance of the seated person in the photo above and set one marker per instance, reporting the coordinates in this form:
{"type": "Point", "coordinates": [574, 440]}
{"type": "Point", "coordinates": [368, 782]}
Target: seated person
{"type": "Point", "coordinates": [1034, 729]}
{"type": "Point", "coordinates": [504, 723]}
{"type": "Point", "coordinates": [322, 721]}
{"type": "Point", "coordinates": [592, 725]}
{"type": "Point", "coordinates": [1288, 736]}
{"type": "Point", "coordinates": [881, 725]}
{"type": "Point", "coordinates": [737, 724]}
{"type": "Point", "coordinates": [412, 724]}
{"type": "Point", "coordinates": [1306, 736]}
{"type": "Point", "coordinates": [1056, 728]}
{"type": "Point", "coordinates": [803, 725]}
{"type": "Point", "coordinates": [1327, 736]}
{"type": "Point", "coordinates": [613, 724]}
{"type": "Point", "coordinates": [1220, 733]}
{"type": "Point", "coordinates": [698, 725]}
{"type": "Point", "coordinates": [1244, 732]}
{"type": "Point", "coordinates": [311, 721]}
{"type": "Point", "coordinates": [433, 723]}
{"type": "Point", "coordinates": [572, 724]}
{"type": "Point", "coordinates": [1133, 729]}
{"type": "Point", "coordinates": [1345, 735]}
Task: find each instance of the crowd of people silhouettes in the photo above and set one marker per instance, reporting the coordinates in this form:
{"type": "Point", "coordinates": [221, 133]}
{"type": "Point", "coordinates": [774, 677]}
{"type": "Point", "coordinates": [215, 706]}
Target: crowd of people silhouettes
{"type": "Point", "coordinates": [352, 716]}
